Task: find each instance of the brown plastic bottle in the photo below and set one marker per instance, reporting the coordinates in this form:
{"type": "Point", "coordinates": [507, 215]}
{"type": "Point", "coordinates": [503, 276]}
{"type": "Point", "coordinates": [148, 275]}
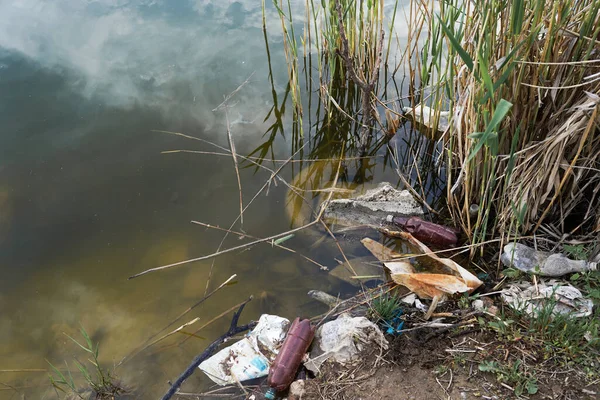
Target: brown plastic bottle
{"type": "Point", "coordinates": [426, 231]}
{"type": "Point", "coordinates": [283, 370]}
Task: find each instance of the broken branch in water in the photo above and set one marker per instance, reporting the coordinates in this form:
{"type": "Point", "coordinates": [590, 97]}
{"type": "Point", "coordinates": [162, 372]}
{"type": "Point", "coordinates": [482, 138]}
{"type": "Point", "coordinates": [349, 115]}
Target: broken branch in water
{"type": "Point", "coordinates": [234, 329]}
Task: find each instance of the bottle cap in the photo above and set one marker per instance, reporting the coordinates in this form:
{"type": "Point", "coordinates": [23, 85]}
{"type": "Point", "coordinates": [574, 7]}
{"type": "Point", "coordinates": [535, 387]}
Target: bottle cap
{"type": "Point", "coordinates": [270, 395]}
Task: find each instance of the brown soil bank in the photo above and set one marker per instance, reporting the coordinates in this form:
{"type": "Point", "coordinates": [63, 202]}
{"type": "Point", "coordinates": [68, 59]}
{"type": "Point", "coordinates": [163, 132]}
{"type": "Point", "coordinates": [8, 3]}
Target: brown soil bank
{"type": "Point", "coordinates": [445, 367]}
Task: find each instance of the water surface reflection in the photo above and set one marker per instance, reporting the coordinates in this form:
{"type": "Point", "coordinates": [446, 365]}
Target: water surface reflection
{"type": "Point", "coordinates": [87, 199]}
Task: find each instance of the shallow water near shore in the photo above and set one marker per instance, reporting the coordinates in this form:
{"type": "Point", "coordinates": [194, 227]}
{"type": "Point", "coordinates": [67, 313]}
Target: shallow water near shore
{"type": "Point", "coordinates": [87, 198]}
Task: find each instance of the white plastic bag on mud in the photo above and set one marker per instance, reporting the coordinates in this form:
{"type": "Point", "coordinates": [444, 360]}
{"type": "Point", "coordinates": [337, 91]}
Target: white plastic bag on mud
{"type": "Point", "coordinates": [343, 339]}
{"type": "Point", "coordinates": [567, 299]}
{"type": "Point", "coordinates": [250, 357]}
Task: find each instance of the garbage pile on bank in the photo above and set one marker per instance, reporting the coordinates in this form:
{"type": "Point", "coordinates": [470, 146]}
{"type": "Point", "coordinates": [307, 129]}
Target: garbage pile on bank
{"type": "Point", "coordinates": [276, 350]}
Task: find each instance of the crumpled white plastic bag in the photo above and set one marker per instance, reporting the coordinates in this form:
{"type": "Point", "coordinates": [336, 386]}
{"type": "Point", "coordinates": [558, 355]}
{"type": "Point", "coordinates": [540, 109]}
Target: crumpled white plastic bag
{"type": "Point", "coordinates": [250, 357]}
{"type": "Point", "coordinates": [525, 297]}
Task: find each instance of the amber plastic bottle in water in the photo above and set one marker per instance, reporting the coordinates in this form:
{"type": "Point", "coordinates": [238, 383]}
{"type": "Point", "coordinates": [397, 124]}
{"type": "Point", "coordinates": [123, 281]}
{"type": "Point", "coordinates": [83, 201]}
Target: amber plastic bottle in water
{"type": "Point", "coordinates": [426, 231]}
{"type": "Point", "coordinates": [283, 370]}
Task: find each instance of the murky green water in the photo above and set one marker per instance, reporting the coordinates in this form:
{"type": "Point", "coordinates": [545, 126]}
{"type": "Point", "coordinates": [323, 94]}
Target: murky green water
{"type": "Point", "coordinates": [87, 199]}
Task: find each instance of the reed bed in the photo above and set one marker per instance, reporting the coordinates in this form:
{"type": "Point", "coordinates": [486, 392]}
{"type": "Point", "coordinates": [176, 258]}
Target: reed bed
{"type": "Point", "coordinates": [519, 81]}
{"type": "Point", "coordinates": [342, 41]}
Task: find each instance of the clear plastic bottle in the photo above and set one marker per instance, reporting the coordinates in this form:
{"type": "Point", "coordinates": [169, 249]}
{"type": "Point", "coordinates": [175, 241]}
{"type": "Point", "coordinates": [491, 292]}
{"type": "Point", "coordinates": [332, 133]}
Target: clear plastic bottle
{"type": "Point", "coordinates": [542, 263]}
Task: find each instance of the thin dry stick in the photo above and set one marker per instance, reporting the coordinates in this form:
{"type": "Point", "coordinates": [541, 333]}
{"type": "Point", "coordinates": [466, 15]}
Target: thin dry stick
{"type": "Point", "coordinates": [263, 187]}
{"type": "Point", "coordinates": [250, 158]}
{"type": "Point", "coordinates": [221, 252]}
{"type": "Point", "coordinates": [224, 103]}
{"type": "Point", "coordinates": [274, 174]}
{"type": "Point", "coordinates": [224, 313]}
{"type": "Point", "coordinates": [340, 249]}
{"type": "Point", "coordinates": [171, 333]}
{"type": "Point", "coordinates": [202, 300]}
{"type": "Point", "coordinates": [235, 166]}
{"type": "Point", "coordinates": [24, 370]}
{"type": "Point", "coordinates": [324, 268]}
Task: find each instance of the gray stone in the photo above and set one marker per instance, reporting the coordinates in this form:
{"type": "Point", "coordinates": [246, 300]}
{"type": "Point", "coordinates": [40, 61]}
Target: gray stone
{"type": "Point", "coordinates": [372, 207]}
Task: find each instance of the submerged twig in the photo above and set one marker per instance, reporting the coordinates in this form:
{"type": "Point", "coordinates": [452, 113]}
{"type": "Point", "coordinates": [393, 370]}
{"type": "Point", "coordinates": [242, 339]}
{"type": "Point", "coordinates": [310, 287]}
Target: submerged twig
{"type": "Point", "coordinates": [274, 243]}
{"type": "Point", "coordinates": [171, 333]}
{"type": "Point", "coordinates": [243, 246]}
{"type": "Point", "coordinates": [236, 167]}
{"type": "Point", "coordinates": [234, 329]}
{"type": "Point", "coordinates": [202, 300]}
{"type": "Point", "coordinates": [230, 95]}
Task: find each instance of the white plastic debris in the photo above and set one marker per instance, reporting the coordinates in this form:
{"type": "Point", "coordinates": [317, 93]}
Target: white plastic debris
{"type": "Point", "coordinates": [425, 115]}
{"type": "Point", "coordinates": [342, 340]}
{"type": "Point", "coordinates": [412, 300]}
{"type": "Point", "coordinates": [250, 357]}
{"type": "Point", "coordinates": [568, 299]}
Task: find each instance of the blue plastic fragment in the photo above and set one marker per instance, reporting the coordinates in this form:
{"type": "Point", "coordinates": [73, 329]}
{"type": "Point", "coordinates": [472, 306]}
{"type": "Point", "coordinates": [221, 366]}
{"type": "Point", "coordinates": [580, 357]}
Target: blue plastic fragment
{"type": "Point", "coordinates": [394, 326]}
{"type": "Point", "coordinates": [271, 394]}
{"type": "Point", "coordinates": [259, 364]}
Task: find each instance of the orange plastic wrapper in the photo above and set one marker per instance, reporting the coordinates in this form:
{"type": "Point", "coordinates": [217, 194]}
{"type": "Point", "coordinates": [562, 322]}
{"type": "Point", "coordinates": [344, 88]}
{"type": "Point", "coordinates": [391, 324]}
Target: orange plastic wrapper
{"type": "Point", "coordinates": [423, 284]}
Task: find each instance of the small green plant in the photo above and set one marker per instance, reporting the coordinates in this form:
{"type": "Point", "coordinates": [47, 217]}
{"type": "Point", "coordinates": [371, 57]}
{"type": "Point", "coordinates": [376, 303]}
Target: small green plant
{"type": "Point", "coordinates": [563, 340]}
{"type": "Point", "coordinates": [577, 251]}
{"type": "Point", "coordinates": [512, 374]}
{"type": "Point", "coordinates": [441, 369]}
{"type": "Point", "coordinates": [459, 358]}
{"type": "Point", "coordinates": [590, 283]}
{"type": "Point", "coordinates": [385, 307]}
{"type": "Point", "coordinates": [511, 273]}
{"type": "Point", "coordinates": [100, 382]}
{"type": "Point", "coordinates": [464, 301]}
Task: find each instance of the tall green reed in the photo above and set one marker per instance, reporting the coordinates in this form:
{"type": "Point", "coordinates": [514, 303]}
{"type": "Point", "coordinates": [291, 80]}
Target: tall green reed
{"type": "Point", "coordinates": [344, 39]}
